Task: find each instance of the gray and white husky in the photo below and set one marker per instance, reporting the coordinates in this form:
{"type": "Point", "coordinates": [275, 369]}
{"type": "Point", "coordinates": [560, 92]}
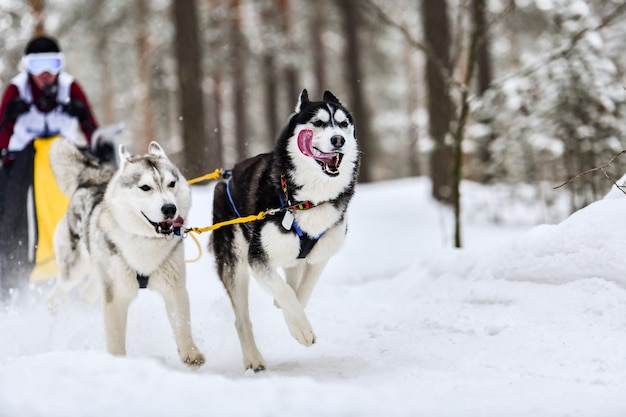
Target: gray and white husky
{"type": "Point", "coordinates": [120, 228]}
{"type": "Point", "coordinates": [310, 176]}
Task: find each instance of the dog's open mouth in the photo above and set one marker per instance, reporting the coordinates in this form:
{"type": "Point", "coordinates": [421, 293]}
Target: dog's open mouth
{"type": "Point", "coordinates": [167, 227]}
{"type": "Point", "coordinates": [329, 161]}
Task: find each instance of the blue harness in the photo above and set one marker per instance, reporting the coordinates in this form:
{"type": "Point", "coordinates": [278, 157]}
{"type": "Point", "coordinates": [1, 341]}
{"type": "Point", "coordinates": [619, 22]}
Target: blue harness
{"type": "Point", "coordinates": [306, 242]}
{"type": "Point", "coordinates": [232, 204]}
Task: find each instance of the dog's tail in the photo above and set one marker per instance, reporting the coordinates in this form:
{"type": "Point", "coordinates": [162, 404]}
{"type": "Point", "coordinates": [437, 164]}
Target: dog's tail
{"type": "Point", "coordinates": [71, 167]}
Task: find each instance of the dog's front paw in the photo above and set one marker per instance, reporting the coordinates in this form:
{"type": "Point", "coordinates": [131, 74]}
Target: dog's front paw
{"type": "Point", "coordinates": [255, 365]}
{"type": "Point", "coordinates": [252, 358]}
{"type": "Point", "coordinates": [301, 330]}
{"type": "Point", "coordinates": [194, 359]}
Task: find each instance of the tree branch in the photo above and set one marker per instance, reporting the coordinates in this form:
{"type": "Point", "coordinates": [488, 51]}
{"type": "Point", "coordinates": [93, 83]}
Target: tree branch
{"type": "Point", "coordinates": [600, 168]}
{"type": "Point", "coordinates": [565, 51]}
{"type": "Point", "coordinates": [383, 16]}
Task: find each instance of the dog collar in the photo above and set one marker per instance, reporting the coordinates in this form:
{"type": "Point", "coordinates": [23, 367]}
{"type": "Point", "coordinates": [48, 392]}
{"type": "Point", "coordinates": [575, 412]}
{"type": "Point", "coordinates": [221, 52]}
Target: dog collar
{"type": "Point", "coordinates": [306, 242]}
{"type": "Point", "coordinates": [303, 205]}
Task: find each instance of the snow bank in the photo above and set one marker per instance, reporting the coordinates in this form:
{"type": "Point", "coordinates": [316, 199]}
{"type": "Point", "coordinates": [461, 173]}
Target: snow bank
{"type": "Point", "coordinates": [404, 326]}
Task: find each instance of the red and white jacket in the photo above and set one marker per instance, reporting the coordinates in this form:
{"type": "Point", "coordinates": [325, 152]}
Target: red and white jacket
{"type": "Point", "coordinates": [15, 136]}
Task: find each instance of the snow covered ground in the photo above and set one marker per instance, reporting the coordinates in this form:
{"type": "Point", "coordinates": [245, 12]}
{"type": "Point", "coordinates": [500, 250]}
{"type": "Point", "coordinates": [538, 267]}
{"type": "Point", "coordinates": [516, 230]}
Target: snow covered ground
{"type": "Point", "coordinates": [522, 322]}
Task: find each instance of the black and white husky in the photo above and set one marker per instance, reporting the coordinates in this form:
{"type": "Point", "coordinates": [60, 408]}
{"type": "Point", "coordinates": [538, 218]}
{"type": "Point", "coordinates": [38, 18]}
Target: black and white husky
{"type": "Point", "coordinates": [120, 229]}
{"type": "Point", "coordinates": [311, 176]}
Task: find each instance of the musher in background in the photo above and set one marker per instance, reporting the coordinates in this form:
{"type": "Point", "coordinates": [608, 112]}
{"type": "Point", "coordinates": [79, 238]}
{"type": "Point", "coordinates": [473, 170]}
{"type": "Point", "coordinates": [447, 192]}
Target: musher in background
{"type": "Point", "coordinates": [42, 101]}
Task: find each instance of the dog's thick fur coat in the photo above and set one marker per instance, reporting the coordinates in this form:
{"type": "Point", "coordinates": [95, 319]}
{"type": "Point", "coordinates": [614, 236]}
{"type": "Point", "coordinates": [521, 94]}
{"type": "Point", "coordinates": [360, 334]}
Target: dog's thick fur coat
{"type": "Point", "coordinates": [315, 162]}
{"type": "Point", "coordinates": [119, 230]}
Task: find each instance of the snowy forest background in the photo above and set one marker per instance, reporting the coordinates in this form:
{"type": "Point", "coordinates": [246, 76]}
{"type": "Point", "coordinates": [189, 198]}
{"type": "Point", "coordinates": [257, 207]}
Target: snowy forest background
{"type": "Point", "coordinates": [502, 92]}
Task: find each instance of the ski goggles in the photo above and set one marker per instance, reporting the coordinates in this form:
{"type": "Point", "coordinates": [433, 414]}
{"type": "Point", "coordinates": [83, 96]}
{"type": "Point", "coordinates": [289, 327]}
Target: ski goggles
{"type": "Point", "coordinates": [37, 64]}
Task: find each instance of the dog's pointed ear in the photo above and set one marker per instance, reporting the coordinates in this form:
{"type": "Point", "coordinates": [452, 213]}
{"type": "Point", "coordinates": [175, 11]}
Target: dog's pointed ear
{"type": "Point", "coordinates": [330, 97]}
{"type": "Point", "coordinates": [155, 149]}
{"type": "Point", "coordinates": [304, 98]}
{"type": "Point", "coordinates": [124, 155]}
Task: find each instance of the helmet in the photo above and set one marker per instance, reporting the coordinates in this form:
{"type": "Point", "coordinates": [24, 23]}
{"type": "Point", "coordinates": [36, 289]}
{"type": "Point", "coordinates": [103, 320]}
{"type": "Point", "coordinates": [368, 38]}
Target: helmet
{"type": "Point", "coordinates": [41, 44]}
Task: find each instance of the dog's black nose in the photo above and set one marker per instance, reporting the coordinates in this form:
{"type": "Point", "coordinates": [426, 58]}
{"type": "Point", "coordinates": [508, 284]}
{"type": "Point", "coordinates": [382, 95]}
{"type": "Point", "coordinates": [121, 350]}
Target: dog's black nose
{"type": "Point", "coordinates": [168, 210]}
{"type": "Point", "coordinates": [337, 141]}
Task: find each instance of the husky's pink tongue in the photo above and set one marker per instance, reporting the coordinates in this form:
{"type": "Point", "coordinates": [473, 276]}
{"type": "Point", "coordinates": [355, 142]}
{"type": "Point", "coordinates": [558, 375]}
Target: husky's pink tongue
{"type": "Point", "coordinates": [178, 222]}
{"type": "Point", "coordinates": [305, 144]}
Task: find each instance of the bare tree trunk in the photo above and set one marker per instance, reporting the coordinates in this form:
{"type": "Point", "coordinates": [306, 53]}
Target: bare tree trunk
{"type": "Point", "coordinates": [291, 72]}
{"type": "Point", "coordinates": [483, 55]}
{"type": "Point", "coordinates": [189, 57]}
{"type": "Point", "coordinates": [514, 52]}
{"type": "Point", "coordinates": [216, 42]}
{"type": "Point", "coordinates": [319, 58]}
{"type": "Point", "coordinates": [437, 37]}
{"type": "Point", "coordinates": [271, 97]}
{"type": "Point", "coordinates": [412, 106]}
{"type": "Point", "coordinates": [238, 81]}
{"type": "Point", "coordinates": [270, 73]}
{"type": "Point", "coordinates": [144, 51]}
{"type": "Point", "coordinates": [106, 81]}
{"type": "Point", "coordinates": [355, 80]}
{"type": "Point", "coordinates": [483, 152]}
{"type": "Point", "coordinates": [216, 135]}
{"type": "Point", "coordinates": [37, 7]}
{"type": "Point", "coordinates": [477, 29]}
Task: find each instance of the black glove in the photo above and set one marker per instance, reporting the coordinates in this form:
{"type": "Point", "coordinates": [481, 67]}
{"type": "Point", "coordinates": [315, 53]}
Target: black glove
{"type": "Point", "coordinates": [77, 108]}
{"type": "Point", "coordinates": [48, 99]}
{"type": "Point", "coordinates": [15, 108]}
{"type": "Point", "coordinates": [105, 152]}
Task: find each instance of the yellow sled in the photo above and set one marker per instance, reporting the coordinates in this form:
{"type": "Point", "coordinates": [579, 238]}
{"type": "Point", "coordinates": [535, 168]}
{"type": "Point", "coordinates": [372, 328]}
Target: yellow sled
{"type": "Point", "coordinates": [50, 203]}
{"type": "Point", "coordinates": [50, 206]}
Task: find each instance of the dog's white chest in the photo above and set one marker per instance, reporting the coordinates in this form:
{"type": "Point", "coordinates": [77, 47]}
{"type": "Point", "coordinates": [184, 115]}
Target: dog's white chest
{"type": "Point", "coordinates": [317, 220]}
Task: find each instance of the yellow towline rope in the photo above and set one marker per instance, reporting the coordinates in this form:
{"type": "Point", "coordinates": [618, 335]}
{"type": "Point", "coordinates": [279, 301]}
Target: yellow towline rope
{"type": "Point", "coordinates": [221, 173]}
{"type": "Point", "coordinates": [211, 176]}
{"type": "Point", "coordinates": [246, 219]}
{"type": "Point", "coordinates": [197, 258]}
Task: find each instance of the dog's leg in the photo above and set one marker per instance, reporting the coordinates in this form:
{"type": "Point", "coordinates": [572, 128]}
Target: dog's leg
{"type": "Point", "coordinates": [236, 283]}
{"type": "Point", "coordinates": [177, 306]}
{"type": "Point", "coordinates": [333, 239]}
{"type": "Point", "coordinates": [284, 295]}
{"type": "Point", "coordinates": [70, 264]}
{"type": "Point", "coordinates": [232, 268]}
{"type": "Point", "coordinates": [312, 273]}
{"type": "Point", "coordinates": [90, 291]}
{"type": "Point", "coordinates": [116, 303]}
{"type": "Point", "coordinates": [67, 279]}
{"type": "Point", "coordinates": [294, 275]}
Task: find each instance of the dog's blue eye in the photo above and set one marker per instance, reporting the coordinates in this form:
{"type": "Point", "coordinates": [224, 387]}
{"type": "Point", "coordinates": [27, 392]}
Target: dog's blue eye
{"type": "Point", "coordinates": [145, 188]}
